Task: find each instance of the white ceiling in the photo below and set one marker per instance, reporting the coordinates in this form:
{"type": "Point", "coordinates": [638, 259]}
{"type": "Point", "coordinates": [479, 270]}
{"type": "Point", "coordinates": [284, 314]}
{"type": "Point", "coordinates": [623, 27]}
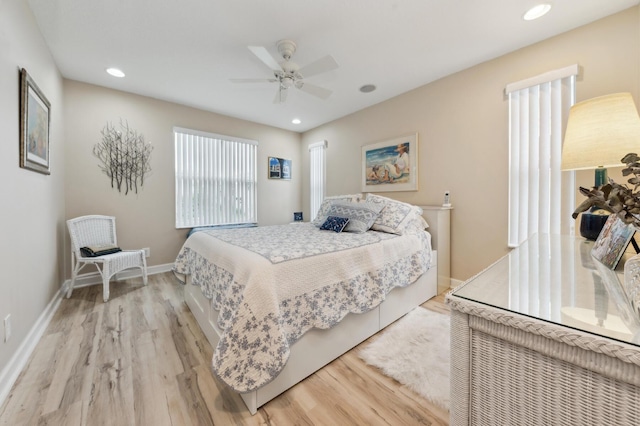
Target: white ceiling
{"type": "Point", "coordinates": [185, 51]}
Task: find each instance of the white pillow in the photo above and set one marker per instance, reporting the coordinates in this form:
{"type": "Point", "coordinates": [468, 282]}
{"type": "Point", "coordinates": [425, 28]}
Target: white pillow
{"type": "Point", "coordinates": [396, 216]}
{"type": "Point", "coordinates": [419, 224]}
{"type": "Point", "coordinates": [326, 204]}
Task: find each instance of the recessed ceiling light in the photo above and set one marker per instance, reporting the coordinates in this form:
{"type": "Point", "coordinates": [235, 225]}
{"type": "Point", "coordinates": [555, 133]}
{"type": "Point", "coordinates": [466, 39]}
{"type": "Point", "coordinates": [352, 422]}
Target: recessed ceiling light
{"type": "Point", "coordinates": [296, 121]}
{"type": "Point", "coordinates": [367, 88]}
{"type": "Point", "coordinates": [537, 11]}
{"type": "Point", "coordinates": [115, 72]}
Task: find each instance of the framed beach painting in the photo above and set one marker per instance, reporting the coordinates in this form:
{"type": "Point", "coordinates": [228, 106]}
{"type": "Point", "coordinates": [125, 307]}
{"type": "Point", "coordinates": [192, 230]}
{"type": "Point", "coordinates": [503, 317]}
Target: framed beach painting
{"type": "Point", "coordinates": [34, 126]}
{"type": "Point", "coordinates": [391, 165]}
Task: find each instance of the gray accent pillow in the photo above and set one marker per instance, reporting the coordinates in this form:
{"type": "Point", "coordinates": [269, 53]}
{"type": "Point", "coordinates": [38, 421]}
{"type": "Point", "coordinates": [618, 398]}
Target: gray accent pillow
{"type": "Point", "coordinates": [326, 204]}
{"type": "Point", "coordinates": [361, 215]}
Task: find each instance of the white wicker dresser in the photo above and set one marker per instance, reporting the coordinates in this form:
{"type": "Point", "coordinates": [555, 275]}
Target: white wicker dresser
{"type": "Point", "coordinates": [545, 336]}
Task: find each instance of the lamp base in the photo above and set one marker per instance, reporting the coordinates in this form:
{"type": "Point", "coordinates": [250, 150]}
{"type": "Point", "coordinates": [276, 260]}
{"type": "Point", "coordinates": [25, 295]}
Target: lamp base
{"type": "Point", "coordinates": [591, 224]}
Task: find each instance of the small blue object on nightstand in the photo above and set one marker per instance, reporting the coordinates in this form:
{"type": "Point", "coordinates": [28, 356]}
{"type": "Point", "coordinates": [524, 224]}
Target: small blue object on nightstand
{"type": "Point", "coordinates": [297, 216]}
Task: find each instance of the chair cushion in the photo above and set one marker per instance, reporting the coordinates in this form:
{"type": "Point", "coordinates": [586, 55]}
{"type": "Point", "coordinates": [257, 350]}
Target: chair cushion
{"type": "Point", "coordinates": [94, 251]}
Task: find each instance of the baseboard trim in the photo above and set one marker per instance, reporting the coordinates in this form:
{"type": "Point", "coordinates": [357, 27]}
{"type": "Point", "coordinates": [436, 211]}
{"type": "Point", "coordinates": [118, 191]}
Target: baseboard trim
{"type": "Point", "coordinates": [455, 283]}
{"type": "Point", "coordinates": [18, 361]}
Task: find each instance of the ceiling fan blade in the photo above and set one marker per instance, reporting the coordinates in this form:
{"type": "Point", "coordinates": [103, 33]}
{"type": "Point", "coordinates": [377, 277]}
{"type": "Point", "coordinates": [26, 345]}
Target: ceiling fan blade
{"type": "Point", "coordinates": [264, 55]}
{"type": "Point", "coordinates": [311, 89]}
{"type": "Point", "coordinates": [253, 80]}
{"type": "Point", "coordinates": [281, 95]}
{"type": "Point", "coordinates": [321, 65]}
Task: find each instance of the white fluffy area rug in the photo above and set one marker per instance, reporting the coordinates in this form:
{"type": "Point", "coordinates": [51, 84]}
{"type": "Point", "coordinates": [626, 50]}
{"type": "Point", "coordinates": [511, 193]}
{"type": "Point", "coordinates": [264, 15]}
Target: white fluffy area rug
{"type": "Point", "coordinates": [415, 351]}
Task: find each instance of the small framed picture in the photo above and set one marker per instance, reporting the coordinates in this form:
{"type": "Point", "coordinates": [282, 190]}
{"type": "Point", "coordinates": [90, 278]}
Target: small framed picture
{"type": "Point", "coordinates": [279, 168]}
{"type": "Point", "coordinates": [34, 126]}
{"type": "Point", "coordinates": [612, 241]}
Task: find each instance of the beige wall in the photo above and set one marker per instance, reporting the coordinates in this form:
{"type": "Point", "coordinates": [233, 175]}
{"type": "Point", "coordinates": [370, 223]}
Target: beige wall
{"type": "Point", "coordinates": [463, 131]}
{"type": "Point", "coordinates": [147, 219]}
{"type": "Point", "coordinates": [32, 203]}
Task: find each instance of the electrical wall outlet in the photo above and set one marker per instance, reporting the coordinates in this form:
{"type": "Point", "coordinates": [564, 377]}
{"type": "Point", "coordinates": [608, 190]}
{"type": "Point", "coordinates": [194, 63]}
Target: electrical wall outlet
{"type": "Point", "coordinates": [7, 328]}
{"type": "Point", "coordinates": [147, 252]}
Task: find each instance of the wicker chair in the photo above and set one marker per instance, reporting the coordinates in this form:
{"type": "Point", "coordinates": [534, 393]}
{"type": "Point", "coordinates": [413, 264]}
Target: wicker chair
{"type": "Point", "coordinates": [96, 230]}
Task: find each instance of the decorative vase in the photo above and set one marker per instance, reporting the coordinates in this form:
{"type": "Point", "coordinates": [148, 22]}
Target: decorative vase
{"type": "Point", "coordinates": [592, 222]}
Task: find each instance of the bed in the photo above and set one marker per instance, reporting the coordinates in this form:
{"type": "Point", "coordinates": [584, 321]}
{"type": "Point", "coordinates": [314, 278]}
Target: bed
{"type": "Point", "coordinates": [277, 303]}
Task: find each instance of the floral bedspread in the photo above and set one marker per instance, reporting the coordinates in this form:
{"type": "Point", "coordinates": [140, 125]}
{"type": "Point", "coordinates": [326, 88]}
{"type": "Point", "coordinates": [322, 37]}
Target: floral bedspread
{"type": "Point", "coordinates": [272, 284]}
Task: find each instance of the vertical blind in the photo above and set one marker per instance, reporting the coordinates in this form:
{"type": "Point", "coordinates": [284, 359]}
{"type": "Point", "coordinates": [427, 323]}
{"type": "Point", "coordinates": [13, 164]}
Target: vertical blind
{"type": "Point", "coordinates": [539, 289]}
{"type": "Point", "coordinates": [216, 179]}
{"type": "Point", "coordinates": [316, 176]}
{"type": "Point", "coordinates": [541, 196]}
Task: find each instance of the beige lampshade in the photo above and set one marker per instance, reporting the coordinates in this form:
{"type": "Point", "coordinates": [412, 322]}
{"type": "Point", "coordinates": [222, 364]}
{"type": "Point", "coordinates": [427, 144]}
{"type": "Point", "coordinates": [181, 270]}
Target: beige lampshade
{"type": "Point", "coordinates": [601, 131]}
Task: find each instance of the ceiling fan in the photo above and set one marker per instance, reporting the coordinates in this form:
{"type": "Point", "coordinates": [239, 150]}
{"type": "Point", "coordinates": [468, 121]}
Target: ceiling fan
{"type": "Point", "coordinates": [288, 74]}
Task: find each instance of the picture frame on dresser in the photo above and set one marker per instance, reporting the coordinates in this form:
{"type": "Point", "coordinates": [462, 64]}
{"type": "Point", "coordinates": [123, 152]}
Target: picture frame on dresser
{"type": "Point", "coordinates": [35, 116]}
{"type": "Point", "coordinates": [612, 241]}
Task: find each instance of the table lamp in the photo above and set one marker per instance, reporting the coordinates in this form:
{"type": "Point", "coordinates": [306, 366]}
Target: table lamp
{"type": "Point", "coordinates": [600, 131]}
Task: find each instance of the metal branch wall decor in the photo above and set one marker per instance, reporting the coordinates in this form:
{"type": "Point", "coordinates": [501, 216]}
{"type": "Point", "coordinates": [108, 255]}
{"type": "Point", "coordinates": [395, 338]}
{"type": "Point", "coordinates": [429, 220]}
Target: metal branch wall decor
{"type": "Point", "coordinates": [124, 156]}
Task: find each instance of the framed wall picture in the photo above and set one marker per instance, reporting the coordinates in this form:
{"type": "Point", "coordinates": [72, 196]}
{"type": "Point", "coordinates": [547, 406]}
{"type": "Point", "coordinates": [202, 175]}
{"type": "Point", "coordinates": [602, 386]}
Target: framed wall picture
{"type": "Point", "coordinates": [279, 168]}
{"type": "Point", "coordinates": [35, 111]}
{"type": "Point", "coordinates": [612, 241]}
{"type": "Point", "coordinates": [391, 165]}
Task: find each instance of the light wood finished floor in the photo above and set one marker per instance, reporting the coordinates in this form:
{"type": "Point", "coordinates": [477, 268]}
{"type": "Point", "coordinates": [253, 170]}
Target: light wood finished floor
{"type": "Point", "coordinates": [141, 359]}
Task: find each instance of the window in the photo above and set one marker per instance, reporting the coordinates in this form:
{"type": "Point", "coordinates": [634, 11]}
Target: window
{"type": "Point", "coordinates": [215, 179]}
{"type": "Point", "coordinates": [541, 196]}
{"type": "Point", "coordinates": [316, 176]}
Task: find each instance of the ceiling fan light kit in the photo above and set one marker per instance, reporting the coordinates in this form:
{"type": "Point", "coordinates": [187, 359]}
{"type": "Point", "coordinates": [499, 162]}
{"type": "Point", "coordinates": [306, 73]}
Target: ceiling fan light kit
{"type": "Point", "coordinates": [288, 74]}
